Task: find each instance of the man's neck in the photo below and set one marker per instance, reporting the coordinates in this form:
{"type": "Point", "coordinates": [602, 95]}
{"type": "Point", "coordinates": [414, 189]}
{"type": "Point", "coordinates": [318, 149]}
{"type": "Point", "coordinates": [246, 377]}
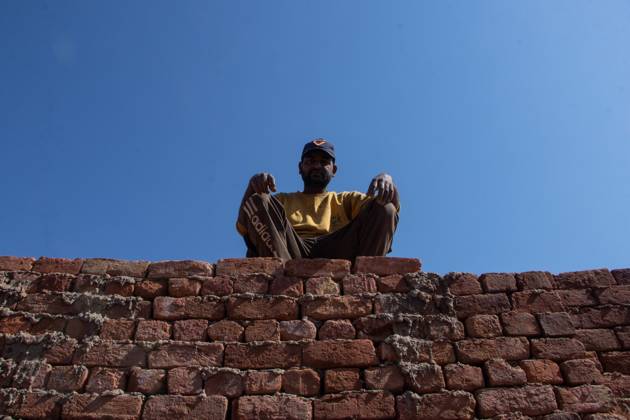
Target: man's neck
{"type": "Point", "coordinates": [310, 189]}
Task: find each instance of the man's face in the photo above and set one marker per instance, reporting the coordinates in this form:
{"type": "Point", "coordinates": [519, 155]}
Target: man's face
{"type": "Point", "coordinates": [317, 169]}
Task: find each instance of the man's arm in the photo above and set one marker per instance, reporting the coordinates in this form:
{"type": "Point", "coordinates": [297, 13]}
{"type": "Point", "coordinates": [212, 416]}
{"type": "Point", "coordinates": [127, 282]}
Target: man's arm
{"type": "Point", "coordinates": [382, 188]}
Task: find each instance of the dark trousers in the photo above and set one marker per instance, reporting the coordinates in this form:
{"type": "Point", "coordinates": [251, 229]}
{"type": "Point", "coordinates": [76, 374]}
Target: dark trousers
{"type": "Point", "coordinates": [270, 234]}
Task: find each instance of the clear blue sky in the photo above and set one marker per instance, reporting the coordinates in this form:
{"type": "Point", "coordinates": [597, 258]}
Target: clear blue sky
{"type": "Point", "coordinates": [130, 129]}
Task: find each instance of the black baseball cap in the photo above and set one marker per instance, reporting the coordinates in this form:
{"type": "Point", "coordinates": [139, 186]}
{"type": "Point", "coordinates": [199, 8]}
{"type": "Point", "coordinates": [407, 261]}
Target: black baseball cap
{"type": "Point", "coordinates": [319, 144]}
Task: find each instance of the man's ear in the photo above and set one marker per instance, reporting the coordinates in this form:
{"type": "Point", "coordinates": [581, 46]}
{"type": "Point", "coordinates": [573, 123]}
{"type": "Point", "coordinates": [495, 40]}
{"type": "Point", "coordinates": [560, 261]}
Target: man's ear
{"type": "Point", "coordinates": [334, 169]}
{"type": "Point", "coordinates": [300, 167]}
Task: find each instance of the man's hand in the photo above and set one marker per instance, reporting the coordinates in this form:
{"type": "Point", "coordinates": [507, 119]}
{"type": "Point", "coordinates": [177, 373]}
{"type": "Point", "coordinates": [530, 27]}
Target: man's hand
{"type": "Point", "coordinates": [262, 183]}
{"type": "Point", "coordinates": [383, 189]}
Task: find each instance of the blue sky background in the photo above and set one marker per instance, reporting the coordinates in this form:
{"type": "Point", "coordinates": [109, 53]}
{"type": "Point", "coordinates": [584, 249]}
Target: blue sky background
{"type": "Point", "coordinates": [130, 129]}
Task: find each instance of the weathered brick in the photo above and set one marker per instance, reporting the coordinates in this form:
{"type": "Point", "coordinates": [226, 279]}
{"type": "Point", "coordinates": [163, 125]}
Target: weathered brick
{"type": "Point", "coordinates": [297, 329]}
{"type": "Point", "coordinates": [47, 303]}
{"type": "Point", "coordinates": [57, 265]}
{"type": "Point", "coordinates": [622, 275]}
{"type": "Point", "coordinates": [263, 356]}
{"type": "Point", "coordinates": [117, 329]}
{"type": "Point", "coordinates": [498, 282]}
{"type": "Point", "coordinates": [217, 286]}
{"type": "Point", "coordinates": [287, 286]}
{"type": "Point", "coordinates": [89, 406]}
{"type": "Point", "coordinates": [355, 284]}
{"type": "Point", "coordinates": [407, 349]}
{"type": "Point", "coordinates": [335, 307]}
{"type": "Point", "coordinates": [252, 283]}
{"type": "Point", "coordinates": [114, 267]}
{"type": "Point", "coordinates": [618, 383]}
{"type": "Point", "coordinates": [67, 378]}
{"type": "Point", "coordinates": [576, 297]}
{"type": "Point", "coordinates": [272, 407]}
{"type": "Point", "coordinates": [463, 377]}
{"type": "Point", "coordinates": [30, 374]}
{"type": "Point", "coordinates": [14, 323]}
{"type": "Point", "coordinates": [224, 382]}
{"type": "Point", "coordinates": [322, 286]}
{"type": "Point", "coordinates": [541, 371]}
{"type": "Point", "coordinates": [269, 307]}
{"type": "Point", "coordinates": [183, 286]}
{"type": "Point", "coordinates": [479, 350]}
{"type": "Point", "coordinates": [376, 328]}
{"type": "Point", "coordinates": [556, 324]}
{"type": "Point", "coordinates": [388, 378]}
{"type": "Point", "coordinates": [616, 361]}
{"type": "Point", "coordinates": [616, 295]}
{"type": "Point", "coordinates": [185, 381]}
{"type": "Point", "coordinates": [585, 398]}
{"type": "Point", "coordinates": [339, 380]}
{"type": "Point", "coordinates": [602, 317]}
{"type": "Point", "coordinates": [580, 372]}
{"type": "Point", "coordinates": [119, 286]}
{"type": "Point", "coordinates": [48, 323]}
{"type": "Point", "coordinates": [170, 308]}
{"type": "Point", "coordinates": [185, 268]}
{"type": "Point", "coordinates": [394, 283]}
{"type": "Point", "coordinates": [520, 323]}
{"type": "Point", "coordinates": [493, 303]}
{"type": "Point", "coordinates": [151, 288]}
{"type": "Point", "coordinates": [162, 407]}
{"type": "Point", "coordinates": [443, 353]}
{"type": "Point", "coordinates": [334, 329]}
{"type": "Point", "coordinates": [153, 330]}
{"type": "Point", "coordinates": [531, 400]}
{"type": "Point", "coordinates": [9, 263]}
{"type": "Point", "coordinates": [263, 330]}
{"type": "Point", "coordinates": [584, 279]}
{"type": "Point", "coordinates": [623, 334]}
{"type": "Point", "coordinates": [190, 330]}
{"type": "Point", "coordinates": [303, 382]}
{"type": "Point", "coordinates": [537, 301]}
{"type": "Point", "coordinates": [483, 326]}
{"type": "Point", "coordinates": [500, 373]}
{"type": "Point", "coordinates": [534, 280]}
{"type": "Point", "coordinates": [317, 267]}
{"type": "Point", "coordinates": [147, 381]}
{"type": "Point", "coordinates": [61, 352]}
{"type": "Point", "coordinates": [32, 405]}
{"type": "Point", "coordinates": [225, 331]}
{"type": "Point", "coordinates": [452, 405]}
{"type": "Point", "coordinates": [105, 379]}
{"type": "Point", "coordinates": [258, 382]}
{"type": "Point", "coordinates": [430, 327]}
{"type": "Point", "coordinates": [243, 266]}
{"type": "Point", "coordinates": [183, 354]}
{"type": "Point", "coordinates": [54, 282]}
{"type": "Point", "coordinates": [7, 370]}
{"type": "Point", "coordinates": [461, 284]}
{"type": "Point", "coordinates": [557, 348]}
{"type": "Point", "coordinates": [357, 405]}
{"type": "Point", "coordinates": [110, 354]}
{"type": "Point", "coordinates": [598, 339]}
{"type": "Point", "coordinates": [423, 377]}
{"type": "Point", "coordinates": [340, 353]}
{"type": "Point", "coordinates": [384, 266]}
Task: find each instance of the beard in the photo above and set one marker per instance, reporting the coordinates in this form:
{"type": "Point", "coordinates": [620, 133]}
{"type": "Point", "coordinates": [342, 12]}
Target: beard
{"type": "Point", "coordinates": [316, 178]}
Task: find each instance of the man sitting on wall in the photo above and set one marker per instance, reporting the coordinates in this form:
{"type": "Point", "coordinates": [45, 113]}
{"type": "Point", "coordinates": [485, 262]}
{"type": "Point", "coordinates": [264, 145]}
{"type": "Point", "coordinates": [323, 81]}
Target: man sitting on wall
{"type": "Point", "coordinates": [316, 223]}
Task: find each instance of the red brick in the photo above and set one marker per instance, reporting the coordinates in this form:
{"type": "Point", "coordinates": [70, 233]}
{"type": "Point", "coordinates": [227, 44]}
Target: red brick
{"type": "Point", "coordinates": [530, 400]}
{"type": "Point", "coordinates": [580, 372]}
{"type": "Point", "coordinates": [461, 284]}
{"type": "Point", "coordinates": [598, 339]}
{"type": "Point", "coordinates": [149, 289]}
{"type": "Point", "coordinates": [162, 407]}
{"type": "Point", "coordinates": [263, 330]}
{"type": "Point", "coordinates": [287, 286]}
{"type": "Point", "coordinates": [618, 383]}
{"type": "Point", "coordinates": [334, 329]}
{"type": "Point", "coordinates": [493, 303]}
{"type": "Point", "coordinates": [185, 381]}
{"type": "Point", "coordinates": [153, 330]}
{"type": "Point", "coordinates": [388, 378]}
{"type": "Point", "coordinates": [394, 283]}
{"type": "Point", "coordinates": [602, 317]}
{"type": "Point", "coordinates": [110, 354]}
{"type": "Point", "coordinates": [334, 307]}
{"type": "Point", "coordinates": [424, 377]}
{"type": "Point", "coordinates": [67, 378]}
{"type": "Point", "coordinates": [616, 361]}
{"type": "Point", "coordinates": [269, 307]}
{"type": "Point", "coordinates": [339, 380]}
{"type": "Point", "coordinates": [61, 352]}
{"type": "Point", "coordinates": [317, 267]}
{"type": "Point", "coordinates": [483, 326]}
{"type": "Point", "coordinates": [479, 350]}
{"type": "Point", "coordinates": [262, 382]}
{"type": "Point", "coordinates": [185, 268]}
{"type": "Point", "coordinates": [119, 286]}
{"type": "Point", "coordinates": [584, 279]}
{"type": "Point", "coordinates": [576, 297]}
{"type": "Point", "coordinates": [48, 324]}
{"type": "Point", "coordinates": [33, 405]}
{"type": "Point", "coordinates": [225, 382]}
{"type": "Point", "coordinates": [243, 266]}
{"type": "Point", "coordinates": [54, 282]}
{"type": "Point", "coordinates": [322, 286]}
{"type": "Point", "coordinates": [147, 381]}
{"type": "Point", "coordinates": [272, 407]}
{"type": "Point", "coordinates": [90, 406]}
{"type": "Point", "coordinates": [47, 303]}
{"type": "Point", "coordinates": [182, 287]}
{"type": "Point", "coordinates": [169, 308]}
{"type": "Point", "coordinates": [117, 329]}
{"type": "Point", "coordinates": [556, 324]}
{"type": "Point", "coordinates": [9, 263]}
{"type": "Point", "coordinates": [225, 331]}
{"type": "Point", "coordinates": [498, 282]}
{"type": "Point", "coordinates": [263, 356]}
{"type": "Point", "coordinates": [339, 353]}
{"type": "Point", "coordinates": [463, 377]}
{"type": "Point", "coordinates": [354, 284]}
{"type": "Point", "coordinates": [622, 275]}
{"type": "Point", "coordinates": [623, 334]}
{"type": "Point", "coordinates": [183, 354]}
{"type": "Point", "coordinates": [585, 398]}
{"type": "Point", "coordinates": [300, 382]}
{"type": "Point", "coordinates": [297, 329]}
{"type": "Point", "coordinates": [13, 324]}
{"type": "Point", "coordinates": [252, 283]}
{"type": "Point", "coordinates": [443, 352]}
{"type": "Point", "coordinates": [384, 266]}
{"type": "Point", "coordinates": [616, 295]}
{"type": "Point", "coordinates": [376, 328]}
{"type": "Point", "coordinates": [190, 330]}
{"type": "Point", "coordinates": [557, 348]}
{"type": "Point", "coordinates": [452, 405]}
{"type": "Point", "coordinates": [500, 373]}
{"type": "Point", "coordinates": [520, 323]}
{"type": "Point", "coordinates": [217, 286]}
{"type": "Point", "coordinates": [114, 267]}
{"type": "Point", "coordinates": [541, 371]}
{"type": "Point", "coordinates": [534, 280]}
{"type": "Point", "coordinates": [57, 265]}
{"type": "Point", "coordinates": [105, 379]}
{"type": "Point", "coordinates": [31, 374]}
{"type": "Point", "coordinates": [537, 301]}
{"type": "Point", "coordinates": [357, 405]}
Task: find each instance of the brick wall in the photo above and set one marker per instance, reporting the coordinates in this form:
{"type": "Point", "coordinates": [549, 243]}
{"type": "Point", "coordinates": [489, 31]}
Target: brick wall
{"type": "Point", "coordinates": [259, 338]}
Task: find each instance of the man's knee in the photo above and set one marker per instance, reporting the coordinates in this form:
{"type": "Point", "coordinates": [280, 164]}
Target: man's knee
{"type": "Point", "coordinates": [385, 211]}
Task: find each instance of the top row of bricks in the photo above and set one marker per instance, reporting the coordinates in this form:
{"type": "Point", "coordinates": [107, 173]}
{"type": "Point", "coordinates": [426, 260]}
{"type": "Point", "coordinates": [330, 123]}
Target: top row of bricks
{"type": "Point", "coordinates": [318, 267]}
